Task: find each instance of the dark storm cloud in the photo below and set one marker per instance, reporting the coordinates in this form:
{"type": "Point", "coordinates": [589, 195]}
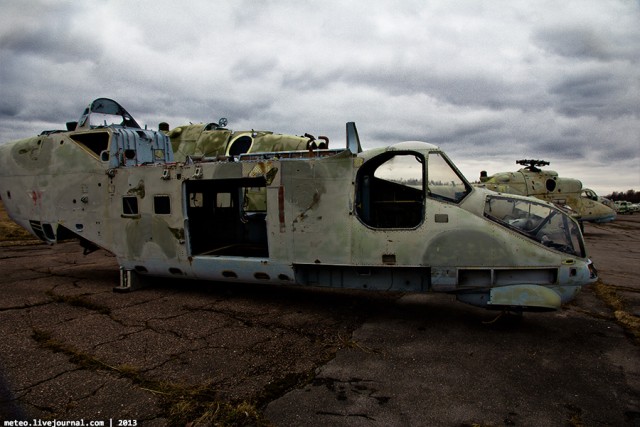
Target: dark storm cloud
{"type": "Point", "coordinates": [605, 42]}
{"type": "Point", "coordinates": [480, 79]}
{"type": "Point", "coordinates": [479, 135]}
{"type": "Point", "coordinates": [10, 102]}
{"type": "Point", "coordinates": [598, 92]}
{"type": "Point", "coordinates": [461, 89]}
{"type": "Point", "coordinates": [41, 53]}
{"type": "Point", "coordinates": [42, 29]}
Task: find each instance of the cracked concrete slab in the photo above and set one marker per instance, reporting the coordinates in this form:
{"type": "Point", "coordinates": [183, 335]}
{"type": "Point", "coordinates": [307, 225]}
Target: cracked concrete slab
{"type": "Point", "coordinates": [427, 361]}
{"type": "Point", "coordinates": [72, 348]}
{"type": "Point", "coordinates": [170, 352]}
{"type": "Point", "coordinates": [402, 371]}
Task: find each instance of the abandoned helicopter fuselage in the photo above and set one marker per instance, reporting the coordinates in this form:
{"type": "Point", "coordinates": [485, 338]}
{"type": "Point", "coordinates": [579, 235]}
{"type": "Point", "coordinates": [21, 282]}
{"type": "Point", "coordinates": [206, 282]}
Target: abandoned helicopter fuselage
{"type": "Point", "coordinates": [399, 218]}
{"type": "Point", "coordinates": [547, 185]}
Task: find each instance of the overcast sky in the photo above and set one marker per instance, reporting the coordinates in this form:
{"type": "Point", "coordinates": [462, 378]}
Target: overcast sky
{"type": "Point", "coordinates": [490, 82]}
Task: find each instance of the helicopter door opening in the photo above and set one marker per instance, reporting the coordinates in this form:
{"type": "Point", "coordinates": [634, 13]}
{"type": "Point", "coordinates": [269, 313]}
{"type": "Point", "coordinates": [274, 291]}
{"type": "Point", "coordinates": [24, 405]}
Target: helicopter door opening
{"type": "Point", "coordinates": [227, 217]}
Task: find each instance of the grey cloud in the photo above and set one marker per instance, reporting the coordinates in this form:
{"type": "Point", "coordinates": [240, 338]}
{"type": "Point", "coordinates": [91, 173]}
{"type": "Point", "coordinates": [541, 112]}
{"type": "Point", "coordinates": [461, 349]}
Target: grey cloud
{"type": "Point", "coordinates": [310, 79]}
{"type": "Point", "coordinates": [576, 42]}
{"type": "Point", "coordinates": [212, 108]}
{"type": "Point", "coordinates": [45, 30]}
{"type": "Point", "coordinates": [254, 68]}
{"type": "Point", "coordinates": [601, 93]}
{"type": "Point", "coordinates": [480, 82]}
{"type": "Point", "coordinates": [459, 87]}
{"type": "Point", "coordinates": [11, 102]}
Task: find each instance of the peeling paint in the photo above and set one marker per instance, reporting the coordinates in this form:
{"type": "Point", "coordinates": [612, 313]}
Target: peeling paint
{"type": "Point", "coordinates": [138, 190]}
{"type": "Point", "coordinates": [314, 203]}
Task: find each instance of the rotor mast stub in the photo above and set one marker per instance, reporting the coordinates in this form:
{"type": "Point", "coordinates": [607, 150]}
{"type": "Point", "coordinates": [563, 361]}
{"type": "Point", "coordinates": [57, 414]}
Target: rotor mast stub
{"type": "Point", "coordinates": [532, 164]}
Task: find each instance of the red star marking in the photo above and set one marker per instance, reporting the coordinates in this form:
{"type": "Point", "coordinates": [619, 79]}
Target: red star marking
{"type": "Point", "coordinates": [35, 195]}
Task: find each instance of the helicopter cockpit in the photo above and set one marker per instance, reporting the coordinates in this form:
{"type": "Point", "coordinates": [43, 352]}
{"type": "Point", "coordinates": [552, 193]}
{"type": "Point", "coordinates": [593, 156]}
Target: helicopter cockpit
{"type": "Point", "coordinates": [543, 223]}
{"type": "Point", "coordinates": [105, 112]}
{"type": "Point", "coordinates": [109, 133]}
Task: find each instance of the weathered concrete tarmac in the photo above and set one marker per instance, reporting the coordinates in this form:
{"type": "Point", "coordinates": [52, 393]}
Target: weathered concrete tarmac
{"type": "Point", "coordinates": [179, 351]}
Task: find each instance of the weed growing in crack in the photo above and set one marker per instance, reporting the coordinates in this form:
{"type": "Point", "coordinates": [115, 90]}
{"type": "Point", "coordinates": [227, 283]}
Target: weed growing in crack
{"type": "Point", "coordinates": [180, 405]}
{"type": "Point", "coordinates": [348, 342]}
{"type": "Point", "coordinates": [195, 407]}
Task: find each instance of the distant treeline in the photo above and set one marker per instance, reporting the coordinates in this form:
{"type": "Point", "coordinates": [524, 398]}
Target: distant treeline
{"type": "Point", "coordinates": [629, 195]}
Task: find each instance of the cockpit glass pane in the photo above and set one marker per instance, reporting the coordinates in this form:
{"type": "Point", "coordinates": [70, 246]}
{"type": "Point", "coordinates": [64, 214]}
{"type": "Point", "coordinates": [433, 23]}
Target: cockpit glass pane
{"type": "Point", "coordinates": [101, 119]}
{"type": "Point", "coordinates": [543, 223]}
{"type": "Point", "coordinates": [443, 181]}
{"type": "Point", "coordinates": [403, 170]}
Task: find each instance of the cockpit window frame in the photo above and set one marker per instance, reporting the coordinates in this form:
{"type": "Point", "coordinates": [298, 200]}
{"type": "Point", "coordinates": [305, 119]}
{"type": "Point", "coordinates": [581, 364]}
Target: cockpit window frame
{"type": "Point", "coordinates": [440, 197]}
{"type": "Point", "coordinates": [541, 222]}
{"type": "Point", "coordinates": [105, 108]}
{"type": "Point", "coordinates": [372, 191]}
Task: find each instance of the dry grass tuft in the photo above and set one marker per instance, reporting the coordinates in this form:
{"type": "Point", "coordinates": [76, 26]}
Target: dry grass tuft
{"type": "Point", "coordinates": [10, 231]}
{"type": "Point", "coordinates": [609, 296]}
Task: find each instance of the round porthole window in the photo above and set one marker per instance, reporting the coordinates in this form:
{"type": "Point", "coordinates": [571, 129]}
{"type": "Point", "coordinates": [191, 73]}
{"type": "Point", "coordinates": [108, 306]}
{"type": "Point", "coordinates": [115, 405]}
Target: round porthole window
{"type": "Point", "coordinates": [240, 146]}
{"type": "Point", "coordinates": [551, 184]}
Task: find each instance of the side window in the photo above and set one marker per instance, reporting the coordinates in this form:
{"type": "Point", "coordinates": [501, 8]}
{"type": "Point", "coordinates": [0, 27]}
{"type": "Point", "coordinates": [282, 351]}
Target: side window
{"type": "Point", "coordinates": [162, 205]}
{"type": "Point", "coordinates": [223, 200]}
{"type": "Point", "coordinates": [443, 182]}
{"type": "Point", "coordinates": [129, 205]}
{"type": "Point", "coordinates": [196, 200]}
{"type": "Point", "coordinates": [391, 191]}
{"type": "Point", "coordinates": [254, 200]}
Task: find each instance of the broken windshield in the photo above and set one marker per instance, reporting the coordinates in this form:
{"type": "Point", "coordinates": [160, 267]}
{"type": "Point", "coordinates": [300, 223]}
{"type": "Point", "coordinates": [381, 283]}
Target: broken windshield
{"type": "Point", "coordinates": [542, 223]}
{"type": "Point", "coordinates": [106, 112]}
